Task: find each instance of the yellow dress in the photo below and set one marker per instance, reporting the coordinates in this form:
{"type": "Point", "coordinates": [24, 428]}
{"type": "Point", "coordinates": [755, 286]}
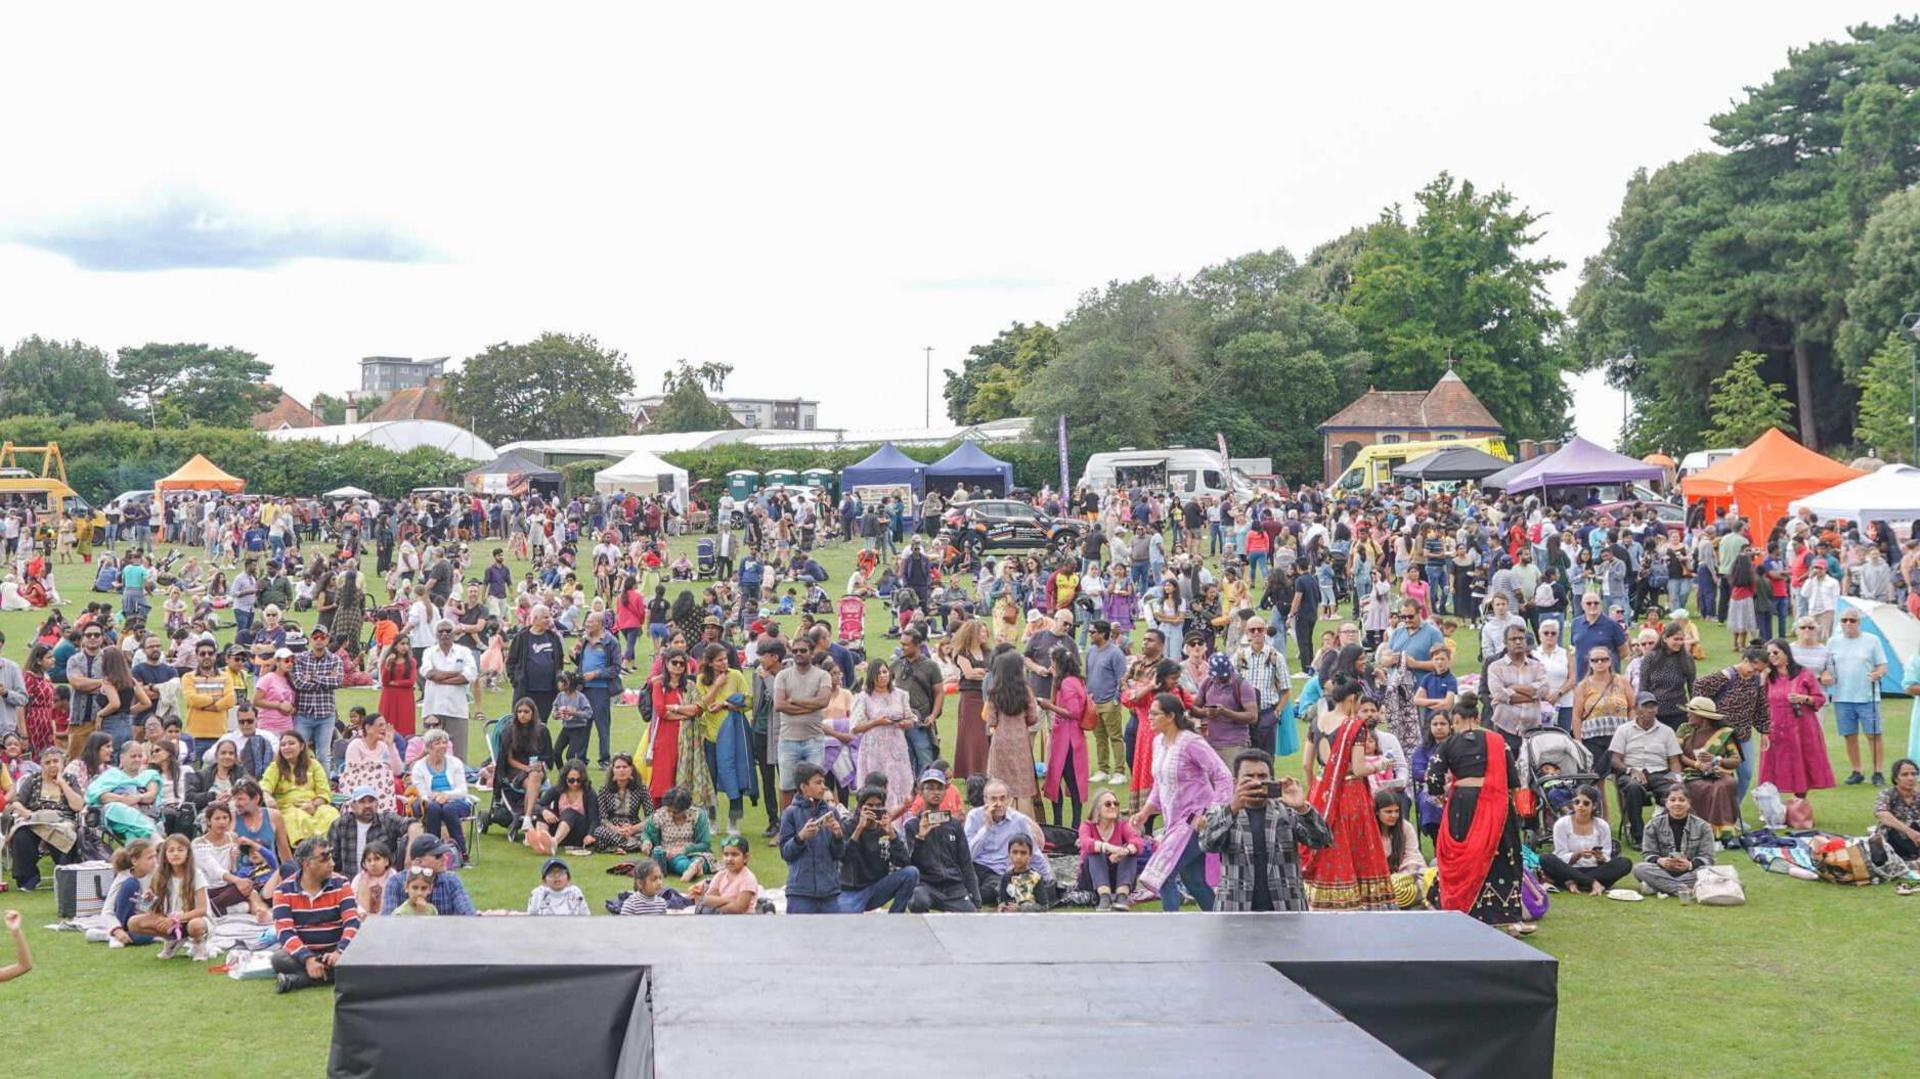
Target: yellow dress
{"type": "Point", "coordinates": [290, 797]}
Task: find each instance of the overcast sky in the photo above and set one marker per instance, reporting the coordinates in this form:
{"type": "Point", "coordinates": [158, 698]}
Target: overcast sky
{"type": "Point", "coordinates": [811, 193]}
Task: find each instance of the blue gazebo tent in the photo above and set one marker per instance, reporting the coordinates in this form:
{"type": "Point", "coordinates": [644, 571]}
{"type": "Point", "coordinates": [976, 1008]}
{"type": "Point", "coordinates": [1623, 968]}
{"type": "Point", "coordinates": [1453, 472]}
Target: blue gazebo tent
{"type": "Point", "coordinates": [886, 465]}
{"type": "Point", "coordinates": [973, 466]}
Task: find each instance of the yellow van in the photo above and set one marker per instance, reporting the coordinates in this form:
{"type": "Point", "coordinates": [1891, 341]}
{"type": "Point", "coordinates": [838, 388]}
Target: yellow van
{"type": "Point", "coordinates": [1373, 466]}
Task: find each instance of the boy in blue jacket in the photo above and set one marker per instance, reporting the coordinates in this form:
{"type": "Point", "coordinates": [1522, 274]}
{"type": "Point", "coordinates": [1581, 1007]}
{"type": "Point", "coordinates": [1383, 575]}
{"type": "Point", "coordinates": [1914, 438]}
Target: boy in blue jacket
{"type": "Point", "coordinates": [812, 841]}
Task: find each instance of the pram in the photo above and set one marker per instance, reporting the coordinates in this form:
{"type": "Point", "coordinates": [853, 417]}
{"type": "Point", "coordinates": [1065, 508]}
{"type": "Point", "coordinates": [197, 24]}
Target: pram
{"type": "Point", "coordinates": [705, 562]}
{"type": "Point", "coordinates": [1552, 765]}
{"type": "Point", "coordinates": [853, 619]}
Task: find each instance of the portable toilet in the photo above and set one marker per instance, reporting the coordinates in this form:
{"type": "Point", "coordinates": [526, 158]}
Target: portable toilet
{"type": "Point", "coordinates": [741, 483]}
{"type": "Point", "coordinates": [782, 477]}
{"type": "Point", "coordinates": [824, 478]}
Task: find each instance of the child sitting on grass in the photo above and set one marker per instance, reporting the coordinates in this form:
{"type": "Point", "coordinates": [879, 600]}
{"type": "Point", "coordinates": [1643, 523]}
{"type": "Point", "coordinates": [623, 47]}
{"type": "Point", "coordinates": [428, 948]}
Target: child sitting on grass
{"type": "Point", "coordinates": [419, 886]}
{"type": "Point", "coordinates": [556, 894]}
{"type": "Point", "coordinates": [370, 884]}
{"type": "Point", "coordinates": [649, 888]}
{"type": "Point", "coordinates": [1021, 884]}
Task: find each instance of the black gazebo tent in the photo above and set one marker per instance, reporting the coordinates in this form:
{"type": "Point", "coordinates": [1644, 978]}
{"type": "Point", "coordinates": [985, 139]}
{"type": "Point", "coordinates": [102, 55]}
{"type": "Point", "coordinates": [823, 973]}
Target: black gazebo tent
{"type": "Point", "coordinates": [1458, 463]}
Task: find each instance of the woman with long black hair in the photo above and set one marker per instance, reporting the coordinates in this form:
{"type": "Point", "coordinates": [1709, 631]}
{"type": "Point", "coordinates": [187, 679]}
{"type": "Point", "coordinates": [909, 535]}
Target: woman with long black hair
{"type": "Point", "coordinates": [1067, 745]}
{"type": "Point", "coordinates": [1477, 851]}
{"type": "Point", "coordinates": [1010, 714]}
{"type": "Point", "coordinates": [1351, 873]}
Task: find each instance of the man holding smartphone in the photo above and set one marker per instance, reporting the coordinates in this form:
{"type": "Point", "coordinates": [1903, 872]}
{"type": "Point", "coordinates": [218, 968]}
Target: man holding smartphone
{"type": "Point", "coordinates": [937, 847]}
{"type": "Point", "coordinates": [1258, 836]}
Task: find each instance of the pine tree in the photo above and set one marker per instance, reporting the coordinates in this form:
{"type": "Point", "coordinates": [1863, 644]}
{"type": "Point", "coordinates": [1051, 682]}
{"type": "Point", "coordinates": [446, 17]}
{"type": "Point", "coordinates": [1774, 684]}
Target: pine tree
{"type": "Point", "coordinates": [1886, 401]}
{"type": "Point", "coordinates": [1744, 404]}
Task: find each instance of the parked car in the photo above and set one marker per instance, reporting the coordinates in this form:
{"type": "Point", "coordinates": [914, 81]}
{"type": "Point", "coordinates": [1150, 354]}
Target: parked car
{"type": "Point", "coordinates": [1005, 524]}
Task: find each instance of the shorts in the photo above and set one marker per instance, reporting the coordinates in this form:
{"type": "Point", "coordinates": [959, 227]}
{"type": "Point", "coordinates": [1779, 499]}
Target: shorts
{"type": "Point", "coordinates": [1856, 717]}
{"type": "Point", "coordinates": [791, 753]}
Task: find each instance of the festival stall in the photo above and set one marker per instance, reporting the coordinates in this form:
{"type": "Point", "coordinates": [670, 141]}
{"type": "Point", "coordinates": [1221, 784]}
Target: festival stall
{"type": "Point", "coordinates": [968, 464]}
{"type": "Point", "coordinates": [200, 474]}
{"type": "Point", "coordinates": [1451, 466]}
{"type": "Point", "coordinates": [1892, 493]}
{"type": "Point", "coordinates": [642, 473]}
{"type": "Point", "coordinates": [1579, 463]}
{"type": "Point", "coordinates": [1764, 479]}
{"type": "Point", "coordinates": [884, 467]}
{"type": "Point", "coordinates": [512, 474]}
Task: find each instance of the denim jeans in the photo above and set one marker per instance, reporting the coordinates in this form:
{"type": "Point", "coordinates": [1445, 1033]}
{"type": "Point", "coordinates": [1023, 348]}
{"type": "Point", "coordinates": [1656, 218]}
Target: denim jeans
{"type": "Point", "coordinates": [242, 620]}
{"type": "Point", "coordinates": [318, 731]}
{"type": "Point", "coordinates": [120, 726]}
{"type": "Point", "coordinates": [1437, 586]}
{"type": "Point", "coordinates": [920, 748]}
{"type": "Point", "coordinates": [895, 889]}
{"type": "Point", "coordinates": [806, 904]}
{"type": "Point", "coordinates": [602, 702]}
{"type": "Point", "coordinates": [1742, 772]}
{"type": "Point", "coordinates": [1192, 872]}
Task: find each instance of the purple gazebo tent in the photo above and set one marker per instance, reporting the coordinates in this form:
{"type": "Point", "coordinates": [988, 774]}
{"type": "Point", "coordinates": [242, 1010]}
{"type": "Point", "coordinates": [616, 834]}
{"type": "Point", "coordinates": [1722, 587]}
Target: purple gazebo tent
{"type": "Point", "coordinates": [1572, 465]}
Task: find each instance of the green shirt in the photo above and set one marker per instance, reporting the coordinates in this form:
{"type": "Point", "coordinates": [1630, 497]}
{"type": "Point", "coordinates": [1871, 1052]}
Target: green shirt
{"type": "Point", "coordinates": [1731, 545]}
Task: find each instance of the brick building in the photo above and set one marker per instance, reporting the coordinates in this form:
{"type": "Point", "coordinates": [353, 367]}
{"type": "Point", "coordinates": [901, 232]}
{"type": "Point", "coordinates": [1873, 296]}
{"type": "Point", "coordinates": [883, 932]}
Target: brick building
{"type": "Point", "coordinates": [1448, 411]}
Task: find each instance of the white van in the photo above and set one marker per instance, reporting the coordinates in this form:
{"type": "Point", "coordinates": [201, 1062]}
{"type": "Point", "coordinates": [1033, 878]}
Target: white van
{"type": "Point", "coordinates": [1185, 471]}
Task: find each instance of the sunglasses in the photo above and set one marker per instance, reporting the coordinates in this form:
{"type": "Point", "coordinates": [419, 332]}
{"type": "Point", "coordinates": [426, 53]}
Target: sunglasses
{"type": "Point", "coordinates": [1583, 801]}
{"type": "Point", "coordinates": [1844, 621]}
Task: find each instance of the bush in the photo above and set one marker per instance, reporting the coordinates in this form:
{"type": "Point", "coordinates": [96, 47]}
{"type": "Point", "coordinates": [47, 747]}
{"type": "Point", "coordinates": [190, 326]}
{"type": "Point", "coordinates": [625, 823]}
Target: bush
{"type": "Point", "coordinates": [106, 458]}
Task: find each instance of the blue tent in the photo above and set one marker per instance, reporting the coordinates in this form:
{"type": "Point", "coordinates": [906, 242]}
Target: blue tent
{"type": "Point", "coordinates": [973, 466]}
{"type": "Point", "coordinates": [884, 466]}
{"type": "Point", "coordinates": [1899, 635]}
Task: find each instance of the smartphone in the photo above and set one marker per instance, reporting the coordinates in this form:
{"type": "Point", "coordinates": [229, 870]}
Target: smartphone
{"type": "Point", "coordinates": [1273, 790]}
{"type": "Point", "coordinates": [937, 817]}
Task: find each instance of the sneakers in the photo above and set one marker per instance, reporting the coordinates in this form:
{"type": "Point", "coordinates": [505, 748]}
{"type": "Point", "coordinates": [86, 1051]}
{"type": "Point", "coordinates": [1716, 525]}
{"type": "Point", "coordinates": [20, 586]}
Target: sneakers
{"type": "Point", "coordinates": [1105, 903]}
{"type": "Point", "coordinates": [1097, 777]}
{"type": "Point", "coordinates": [198, 951]}
{"type": "Point", "coordinates": [283, 983]}
{"type": "Point", "coordinates": [1123, 903]}
{"type": "Point", "coordinates": [168, 949]}
{"type": "Point", "coordinates": [1879, 779]}
{"type": "Point", "coordinates": [1856, 779]}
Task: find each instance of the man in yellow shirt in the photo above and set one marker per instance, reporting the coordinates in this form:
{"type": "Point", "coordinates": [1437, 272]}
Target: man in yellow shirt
{"type": "Point", "coordinates": [207, 691]}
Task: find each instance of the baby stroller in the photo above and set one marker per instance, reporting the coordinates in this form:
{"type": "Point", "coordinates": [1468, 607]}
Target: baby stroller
{"type": "Point", "coordinates": [1552, 766]}
{"type": "Point", "coordinates": [705, 562]}
{"type": "Point", "coordinates": [853, 619]}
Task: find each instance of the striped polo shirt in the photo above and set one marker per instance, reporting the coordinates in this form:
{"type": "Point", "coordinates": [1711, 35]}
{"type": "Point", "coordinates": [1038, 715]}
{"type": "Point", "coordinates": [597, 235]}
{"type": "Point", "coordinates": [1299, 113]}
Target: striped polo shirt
{"type": "Point", "coordinates": [315, 923]}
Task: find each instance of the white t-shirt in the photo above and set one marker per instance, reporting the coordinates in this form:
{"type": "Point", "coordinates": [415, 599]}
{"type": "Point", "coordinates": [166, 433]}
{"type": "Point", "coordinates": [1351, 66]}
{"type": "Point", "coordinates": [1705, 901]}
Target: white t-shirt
{"type": "Point", "coordinates": [420, 621]}
{"type": "Point", "coordinates": [438, 698]}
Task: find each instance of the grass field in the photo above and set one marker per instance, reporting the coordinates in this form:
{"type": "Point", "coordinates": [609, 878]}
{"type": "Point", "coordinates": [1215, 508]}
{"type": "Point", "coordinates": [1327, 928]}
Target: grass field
{"type": "Point", "coordinates": [1803, 969]}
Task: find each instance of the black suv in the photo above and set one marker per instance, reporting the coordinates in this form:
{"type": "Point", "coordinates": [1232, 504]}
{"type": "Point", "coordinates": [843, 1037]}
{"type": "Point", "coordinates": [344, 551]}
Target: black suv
{"type": "Point", "coordinates": [1003, 524]}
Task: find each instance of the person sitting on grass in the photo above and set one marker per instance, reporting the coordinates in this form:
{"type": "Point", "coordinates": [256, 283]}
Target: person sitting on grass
{"type": "Point", "coordinates": [937, 847]}
{"type": "Point", "coordinates": [315, 917]}
{"type": "Point", "coordinates": [1022, 890]}
{"type": "Point", "coordinates": [180, 909]}
{"type": "Point", "coordinates": [875, 868]}
{"type": "Point", "coordinates": [569, 812]}
{"type": "Point", "coordinates": [417, 885]}
{"type": "Point", "coordinates": [649, 888]}
{"type": "Point", "coordinates": [557, 894]}
{"type": "Point", "coordinates": [733, 890]}
{"type": "Point", "coordinates": [1897, 811]}
{"type": "Point", "coordinates": [370, 884]}
{"type": "Point", "coordinates": [449, 892]}
{"type": "Point", "coordinates": [1402, 846]}
{"type": "Point", "coordinates": [990, 828]}
{"type": "Point", "coordinates": [131, 899]}
{"type": "Point", "coordinates": [1677, 843]}
{"type": "Point", "coordinates": [1109, 853]}
{"type": "Point", "coordinates": [1584, 858]}
{"type": "Point", "coordinates": [679, 837]}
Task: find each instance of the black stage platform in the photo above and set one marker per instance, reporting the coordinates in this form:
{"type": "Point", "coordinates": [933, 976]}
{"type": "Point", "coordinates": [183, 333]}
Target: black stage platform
{"type": "Point", "coordinates": [1055, 995]}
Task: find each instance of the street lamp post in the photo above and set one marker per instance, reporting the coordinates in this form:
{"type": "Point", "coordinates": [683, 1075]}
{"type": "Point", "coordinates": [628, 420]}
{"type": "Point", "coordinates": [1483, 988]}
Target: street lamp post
{"type": "Point", "coordinates": [1910, 325]}
{"type": "Point", "coordinates": [928, 420]}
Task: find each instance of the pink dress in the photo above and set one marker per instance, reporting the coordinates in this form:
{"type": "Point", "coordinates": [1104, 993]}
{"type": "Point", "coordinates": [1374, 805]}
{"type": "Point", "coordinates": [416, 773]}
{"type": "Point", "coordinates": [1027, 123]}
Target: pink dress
{"type": "Point", "coordinates": [1796, 756]}
{"type": "Point", "coordinates": [884, 749]}
{"type": "Point", "coordinates": [1067, 748]}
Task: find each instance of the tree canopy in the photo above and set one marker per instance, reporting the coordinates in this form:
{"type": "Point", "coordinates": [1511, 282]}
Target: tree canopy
{"type": "Point", "coordinates": [687, 406]}
{"type": "Point", "coordinates": [57, 378]}
{"type": "Point", "coordinates": [177, 384]}
{"type": "Point", "coordinates": [555, 386]}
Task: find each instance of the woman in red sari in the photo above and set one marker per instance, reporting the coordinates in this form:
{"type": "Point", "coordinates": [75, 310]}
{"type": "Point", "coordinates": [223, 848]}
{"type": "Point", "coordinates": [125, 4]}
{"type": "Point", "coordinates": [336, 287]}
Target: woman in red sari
{"type": "Point", "coordinates": [1150, 679]}
{"type": "Point", "coordinates": [40, 698]}
{"type": "Point", "coordinates": [674, 701]}
{"type": "Point", "coordinates": [398, 675]}
{"type": "Point", "coordinates": [1352, 873]}
{"type": "Point", "coordinates": [1477, 850]}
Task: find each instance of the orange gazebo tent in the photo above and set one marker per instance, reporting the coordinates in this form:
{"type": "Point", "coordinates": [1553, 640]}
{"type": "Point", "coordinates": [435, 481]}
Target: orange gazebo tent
{"type": "Point", "coordinates": [200, 474]}
{"type": "Point", "coordinates": [1763, 478]}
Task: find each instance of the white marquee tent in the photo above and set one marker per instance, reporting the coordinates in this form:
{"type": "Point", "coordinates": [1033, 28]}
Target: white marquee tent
{"type": "Point", "coordinates": [1890, 493]}
{"type": "Point", "coordinates": [397, 435]}
{"type": "Point", "coordinates": [642, 473]}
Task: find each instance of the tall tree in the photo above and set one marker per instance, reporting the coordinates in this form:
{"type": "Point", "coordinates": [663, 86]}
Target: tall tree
{"type": "Point", "coordinates": [1887, 400]}
{"type": "Point", "coordinates": [1123, 373]}
{"type": "Point", "coordinates": [992, 375]}
{"type": "Point", "coordinates": [1457, 286]}
{"type": "Point", "coordinates": [178, 383]}
{"type": "Point", "coordinates": [687, 407]}
{"type": "Point", "coordinates": [1745, 404]}
{"type": "Point", "coordinates": [1886, 279]}
{"type": "Point", "coordinates": [555, 386]}
{"type": "Point", "coordinates": [57, 378]}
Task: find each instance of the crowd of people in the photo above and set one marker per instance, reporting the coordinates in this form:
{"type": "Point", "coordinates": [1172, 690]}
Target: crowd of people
{"type": "Point", "coordinates": [1123, 703]}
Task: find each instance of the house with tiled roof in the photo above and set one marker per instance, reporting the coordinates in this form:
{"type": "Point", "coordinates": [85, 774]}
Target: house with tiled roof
{"type": "Point", "coordinates": [1378, 417]}
{"type": "Point", "coordinates": [413, 403]}
{"type": "Point", "coordinates": [284, 414]}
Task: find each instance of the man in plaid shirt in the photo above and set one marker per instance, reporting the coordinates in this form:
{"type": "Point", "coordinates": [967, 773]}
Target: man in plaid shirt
{"type": "Point", "coordinates": [1263, 667]}
{"type": "Point", "coordinates": [317, 672]}
{"type": "Point", "coordinates": [1258, 841]}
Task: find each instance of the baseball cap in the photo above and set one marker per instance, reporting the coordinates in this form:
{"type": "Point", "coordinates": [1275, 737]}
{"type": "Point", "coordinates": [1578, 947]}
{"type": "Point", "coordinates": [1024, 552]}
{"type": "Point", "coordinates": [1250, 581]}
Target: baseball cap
{"type": "Point", "coordinates": [1646, 698]}
{"type": "Point", "coordinates": [363, 791]}
{"type": "Point", "coordinates": [556, 863]}
{"type": "Point", "coordinates": [934, 775]}
{"type": "Point", "coordinates": [283, 653]}
{"type": "Point", "coordinates": [424, 846]}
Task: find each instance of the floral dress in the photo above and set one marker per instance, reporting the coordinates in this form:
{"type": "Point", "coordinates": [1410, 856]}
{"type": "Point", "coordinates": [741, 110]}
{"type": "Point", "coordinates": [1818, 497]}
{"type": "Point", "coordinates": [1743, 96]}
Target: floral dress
{"type": "Point", "coordinates": [884, 748]}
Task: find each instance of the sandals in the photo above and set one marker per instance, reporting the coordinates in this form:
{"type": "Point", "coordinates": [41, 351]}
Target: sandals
{"type": "Point", "coordinates": [1907, 889]}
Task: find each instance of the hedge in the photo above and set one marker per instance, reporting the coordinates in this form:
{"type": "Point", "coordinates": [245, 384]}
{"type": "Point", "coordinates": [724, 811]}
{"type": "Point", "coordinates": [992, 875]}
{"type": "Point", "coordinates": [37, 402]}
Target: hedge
{"type": "Point", "coordinates": [104, 459]}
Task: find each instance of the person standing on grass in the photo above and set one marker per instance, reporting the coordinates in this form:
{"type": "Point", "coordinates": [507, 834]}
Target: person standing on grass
{"type": "Point", "coordinates": [800, 692]}
{"type": "Point", "coordinates": [317, 673]}
{"type": "Point", "coordinates": [1258, 838]}
{"type": "Point", "coordinates": [315, 918]}
{"type": "Point", "coordinates": [1859, 662]}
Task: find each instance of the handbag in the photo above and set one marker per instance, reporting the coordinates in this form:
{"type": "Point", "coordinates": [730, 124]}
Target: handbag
{"type": "Point", "coordinates": [1089, 719]}
{"type": "Point", "coordinates": [1718, 886]}
{"type": "Point", "coordinates": [1525, 802]}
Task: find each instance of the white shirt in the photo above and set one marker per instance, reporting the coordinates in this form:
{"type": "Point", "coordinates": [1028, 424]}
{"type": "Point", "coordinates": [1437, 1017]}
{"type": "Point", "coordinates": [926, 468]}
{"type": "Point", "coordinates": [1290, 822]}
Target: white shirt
{"type": "Point", "coordinates": [1821, 593]}
{"type": "Point", "coordinates": [440, 699]}
{"type": "Point", "coordinates": [420, 621]}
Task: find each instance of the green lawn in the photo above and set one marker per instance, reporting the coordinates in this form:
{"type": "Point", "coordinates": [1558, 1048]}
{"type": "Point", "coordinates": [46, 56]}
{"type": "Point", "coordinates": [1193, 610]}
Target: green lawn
{"type": "Point", "coordinates": [1800, 970]}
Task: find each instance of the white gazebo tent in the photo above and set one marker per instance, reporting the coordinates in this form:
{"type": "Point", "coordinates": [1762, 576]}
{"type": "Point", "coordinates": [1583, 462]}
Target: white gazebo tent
{"type": "Point", "coordinates": [1890, 493]}
{"type": "Point", "coordinates": [642, 473]}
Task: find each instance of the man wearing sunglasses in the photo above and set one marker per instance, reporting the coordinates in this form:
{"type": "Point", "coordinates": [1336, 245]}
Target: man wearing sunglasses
{"type": "Point", "coordinates": [1593, 629]}
{"type": "Point", "coordinates": [1263, 666]}
{"type": "Point", "coordinates": [84, 676]}
{"type": "Point", "coordinates": [1859, 662]}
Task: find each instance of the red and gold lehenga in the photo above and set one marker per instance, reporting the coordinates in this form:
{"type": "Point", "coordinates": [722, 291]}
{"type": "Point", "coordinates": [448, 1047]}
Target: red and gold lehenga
{"type": "Point", "coordinates": [1352, 873]}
